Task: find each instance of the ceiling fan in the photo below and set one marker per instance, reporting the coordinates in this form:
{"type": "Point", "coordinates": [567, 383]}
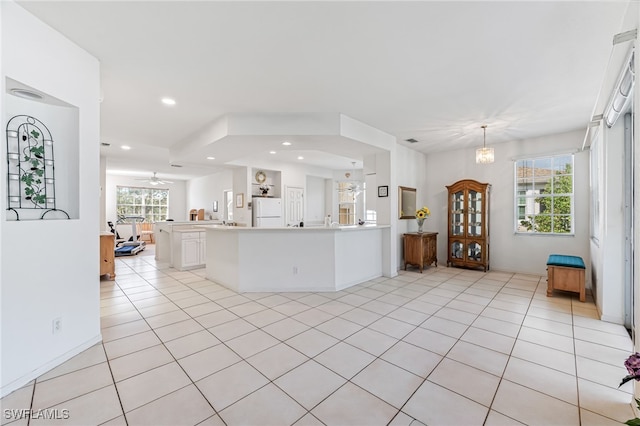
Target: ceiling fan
{"type": "Point", "coordinates": [154, 180]}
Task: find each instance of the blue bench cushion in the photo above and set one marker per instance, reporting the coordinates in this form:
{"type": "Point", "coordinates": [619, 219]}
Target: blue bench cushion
{"type": "Point", "coordinates": [563, 260]}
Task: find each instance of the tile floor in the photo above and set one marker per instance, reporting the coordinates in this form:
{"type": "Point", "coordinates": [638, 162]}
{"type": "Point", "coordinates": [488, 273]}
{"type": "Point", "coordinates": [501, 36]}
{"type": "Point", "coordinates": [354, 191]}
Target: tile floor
{"type": "Point", "coordinates": [446, 347]}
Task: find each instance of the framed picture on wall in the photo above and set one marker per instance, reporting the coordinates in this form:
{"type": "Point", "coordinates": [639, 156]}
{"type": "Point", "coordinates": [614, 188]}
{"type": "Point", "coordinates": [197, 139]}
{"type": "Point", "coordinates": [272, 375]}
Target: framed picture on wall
{"type": "Point", "coordinates": [383, 191]}
{"type": "Point", "coordinates": [240, 201]}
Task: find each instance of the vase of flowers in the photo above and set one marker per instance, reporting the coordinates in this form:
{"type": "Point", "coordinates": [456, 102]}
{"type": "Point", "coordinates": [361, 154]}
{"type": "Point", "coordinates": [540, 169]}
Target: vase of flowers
{"type": "Point", "coordinates": [421, 215]}
{"type": "Point", "coordinates": [264, 189]}
{"type": "Point", "coordinates": [633, 367]}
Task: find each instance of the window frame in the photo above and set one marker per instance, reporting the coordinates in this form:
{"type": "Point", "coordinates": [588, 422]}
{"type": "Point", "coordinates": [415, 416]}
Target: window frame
{"type": "Point", "coordinates": [155, 217]}
{"type": "Point", "coordinates": [521, 194]}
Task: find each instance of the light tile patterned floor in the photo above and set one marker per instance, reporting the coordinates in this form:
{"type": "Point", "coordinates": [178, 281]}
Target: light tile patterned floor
{"type": "Point", "coordinates": [446, 347]}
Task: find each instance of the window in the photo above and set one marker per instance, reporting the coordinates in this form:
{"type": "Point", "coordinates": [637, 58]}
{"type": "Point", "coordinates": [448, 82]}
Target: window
{"type": "Point", "coordinates": [150, 203]}
{"type": "Point", "coordinates": [544, 195]}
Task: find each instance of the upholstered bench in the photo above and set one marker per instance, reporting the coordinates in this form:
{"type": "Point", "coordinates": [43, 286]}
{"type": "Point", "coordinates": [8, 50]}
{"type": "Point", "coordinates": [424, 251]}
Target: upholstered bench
{"type": "Point", "coordinates": [565, 273]}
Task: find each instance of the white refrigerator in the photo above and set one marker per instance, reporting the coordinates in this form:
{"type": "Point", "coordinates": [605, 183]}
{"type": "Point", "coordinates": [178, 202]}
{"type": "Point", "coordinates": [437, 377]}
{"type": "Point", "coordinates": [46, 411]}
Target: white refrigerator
{"type": "Point", "coordinates": [267, 212]}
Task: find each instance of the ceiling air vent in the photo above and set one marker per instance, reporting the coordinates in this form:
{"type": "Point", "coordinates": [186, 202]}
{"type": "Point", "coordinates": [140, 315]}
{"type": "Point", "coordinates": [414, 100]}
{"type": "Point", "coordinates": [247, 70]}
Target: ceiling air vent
{"type": "Point", "coordinates": [105, 144]}
{"type": "Point", "coordinates": [176, 165]}
{"type": "Point", "coordinates": [411, 140]}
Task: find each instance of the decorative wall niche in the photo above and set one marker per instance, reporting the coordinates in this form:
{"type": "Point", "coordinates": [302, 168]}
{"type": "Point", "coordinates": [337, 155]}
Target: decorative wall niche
{"type": "Point", "coordinates": [41, 155]}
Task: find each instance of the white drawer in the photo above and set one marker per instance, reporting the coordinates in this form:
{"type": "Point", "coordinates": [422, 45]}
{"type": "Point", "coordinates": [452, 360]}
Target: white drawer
{"type": "Point", "coordinates": [190, 235]}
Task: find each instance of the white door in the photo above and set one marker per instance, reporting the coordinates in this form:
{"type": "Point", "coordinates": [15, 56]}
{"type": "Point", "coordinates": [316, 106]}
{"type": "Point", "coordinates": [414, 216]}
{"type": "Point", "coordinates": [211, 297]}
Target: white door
{"type": "Point", "coordinates": [295, 205]}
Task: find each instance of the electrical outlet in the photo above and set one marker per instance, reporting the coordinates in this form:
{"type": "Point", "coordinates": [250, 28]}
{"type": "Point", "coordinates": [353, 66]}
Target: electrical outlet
{"type": "Point", "coordinates": [56, 325]}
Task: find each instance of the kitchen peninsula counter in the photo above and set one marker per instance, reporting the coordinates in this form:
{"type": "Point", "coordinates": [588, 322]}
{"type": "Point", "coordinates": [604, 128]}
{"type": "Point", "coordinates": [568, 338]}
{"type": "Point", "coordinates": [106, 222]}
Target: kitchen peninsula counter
{"type": "Point", "coordinates": [293, 259]}
{"type": "Point", "coordinates": [169, 246]}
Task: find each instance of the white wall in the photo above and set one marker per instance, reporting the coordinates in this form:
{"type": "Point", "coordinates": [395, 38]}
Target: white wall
{"type": "Point", "coordinates": [202, 192]}
{"type": "Point", "coordinates": [43, 274]}
{"type": "Point", "coordinates": [412, 171]}
{"type": "Point", "coordinates": [315, 201]}
{"type": "Point", "coordinates": [177, 197]}
{"type": "Point", "coordinates": [103, 189]}
{"type": "Point", "coordinates": [509, 251]}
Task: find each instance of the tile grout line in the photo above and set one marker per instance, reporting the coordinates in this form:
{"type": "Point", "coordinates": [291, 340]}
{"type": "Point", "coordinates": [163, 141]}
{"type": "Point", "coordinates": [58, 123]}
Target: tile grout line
{"type": "Point", "coordinates": [126, 421]}
{"type": "Point", "coordinates": [174, 361]}
{"type": "Point", "coordinates": [515, 339]}
{"type": "Point", "coordinates": [339, 316]}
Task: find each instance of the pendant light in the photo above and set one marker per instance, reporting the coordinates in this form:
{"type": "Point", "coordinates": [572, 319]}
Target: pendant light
{"type": "Point", "coordinates": [484, 155]}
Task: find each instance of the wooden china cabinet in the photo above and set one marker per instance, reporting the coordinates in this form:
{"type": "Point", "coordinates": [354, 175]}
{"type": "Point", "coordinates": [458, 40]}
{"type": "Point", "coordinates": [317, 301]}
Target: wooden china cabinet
{"type": "Point", "coordinates": [468, 239]}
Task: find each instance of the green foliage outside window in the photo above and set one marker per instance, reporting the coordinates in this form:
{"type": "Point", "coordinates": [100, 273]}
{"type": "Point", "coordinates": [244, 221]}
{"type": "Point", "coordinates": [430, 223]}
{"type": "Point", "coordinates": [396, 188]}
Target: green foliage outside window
{"type": "Point", "coordinates": [545, 195]}
{"type": "Point", "coordinates": [150, 203]}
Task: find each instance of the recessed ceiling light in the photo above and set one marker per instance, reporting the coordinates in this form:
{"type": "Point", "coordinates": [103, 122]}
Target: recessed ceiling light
{"type": "Point", "coordinates": [27, 94]}
{"type": "Point", "coordinates": [126, 147]}
{"type": "Point", "coordinates": [286, 143]}
{"type": "Point", "coordinates": [168, 101]}
{"type": "Point", "coordinates": [211, 158]}
{"type": "Point", "coordinates": [301, 158]}
{"type": "Point", "coordinates": [272, 152]}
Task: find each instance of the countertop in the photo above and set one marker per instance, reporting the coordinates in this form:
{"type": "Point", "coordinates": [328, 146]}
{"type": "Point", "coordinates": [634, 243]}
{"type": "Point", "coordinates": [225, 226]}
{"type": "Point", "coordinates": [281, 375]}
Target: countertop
{"type": "Point", "coordinates": [293, 228]}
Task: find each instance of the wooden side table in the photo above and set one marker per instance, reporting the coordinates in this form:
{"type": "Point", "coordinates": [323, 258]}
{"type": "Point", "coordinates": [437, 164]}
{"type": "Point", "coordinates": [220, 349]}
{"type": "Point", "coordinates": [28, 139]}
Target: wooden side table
{"type": "Point", "coordinates": [107, 254]}
{"type": "Point", "coordinates": [420, 249]}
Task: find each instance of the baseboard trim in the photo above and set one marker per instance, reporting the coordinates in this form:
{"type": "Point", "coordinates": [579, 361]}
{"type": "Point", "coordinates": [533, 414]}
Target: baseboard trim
{"type": "Point", "coordinates": [22, 381]}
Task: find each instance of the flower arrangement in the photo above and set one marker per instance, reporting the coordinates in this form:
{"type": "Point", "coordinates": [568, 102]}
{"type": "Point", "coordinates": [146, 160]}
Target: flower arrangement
{"type": "Point", "coordinates": [264, 188]}
{"type": "Point", "coordinates": [633, 367]}
{"type": "Point", "coordinates": [422, 213]}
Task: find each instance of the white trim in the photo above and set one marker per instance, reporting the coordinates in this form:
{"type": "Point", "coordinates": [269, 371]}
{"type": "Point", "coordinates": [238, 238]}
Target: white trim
{"type": "Point", "coordinates": [552, 196]}
{"type": "Point", "coordinates": [543, 155]}
{"type": "Point", "coordinates": [22, 381]}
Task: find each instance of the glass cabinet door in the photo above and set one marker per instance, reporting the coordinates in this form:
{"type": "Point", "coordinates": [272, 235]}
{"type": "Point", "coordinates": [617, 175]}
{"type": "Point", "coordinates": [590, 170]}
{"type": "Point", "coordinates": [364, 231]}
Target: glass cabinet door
{"type": "Point", "coordinates": [474, 252]}
{"type": "Point", "coordinates": [474, 216]}
{"type": "Point", "coordinates": [457, 213]}
{"type": "Point", "coordinates": [457, 250]}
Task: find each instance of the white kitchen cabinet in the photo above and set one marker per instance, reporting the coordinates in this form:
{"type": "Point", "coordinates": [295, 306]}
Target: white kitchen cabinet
{"type": "Point", "coordinates": [189, 249]}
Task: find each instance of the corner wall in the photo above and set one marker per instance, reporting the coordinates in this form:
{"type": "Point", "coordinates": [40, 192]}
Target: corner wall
{"type": "Point", "coordinates": [412, 171]}
{"type": "Point", "coordinates": [49, 268]}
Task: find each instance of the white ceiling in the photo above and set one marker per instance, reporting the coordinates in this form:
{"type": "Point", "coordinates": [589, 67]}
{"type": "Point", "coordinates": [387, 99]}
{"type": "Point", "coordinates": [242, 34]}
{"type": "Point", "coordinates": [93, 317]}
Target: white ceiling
{"type": "Point", "coordinates": [433, 71]}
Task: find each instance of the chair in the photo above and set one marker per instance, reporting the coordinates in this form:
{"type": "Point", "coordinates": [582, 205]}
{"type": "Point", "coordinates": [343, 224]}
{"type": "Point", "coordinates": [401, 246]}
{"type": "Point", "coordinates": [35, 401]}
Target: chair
{"type": "Point", "coordinates": [145, 229]}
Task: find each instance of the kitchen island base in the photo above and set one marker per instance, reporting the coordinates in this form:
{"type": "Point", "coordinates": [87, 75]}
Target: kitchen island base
{"type": "Point", "coordinates": [293, 259]}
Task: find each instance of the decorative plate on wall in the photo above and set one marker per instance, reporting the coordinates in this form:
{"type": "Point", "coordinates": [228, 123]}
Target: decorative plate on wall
{"type": "Point", "coordinates": [260, 177]}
